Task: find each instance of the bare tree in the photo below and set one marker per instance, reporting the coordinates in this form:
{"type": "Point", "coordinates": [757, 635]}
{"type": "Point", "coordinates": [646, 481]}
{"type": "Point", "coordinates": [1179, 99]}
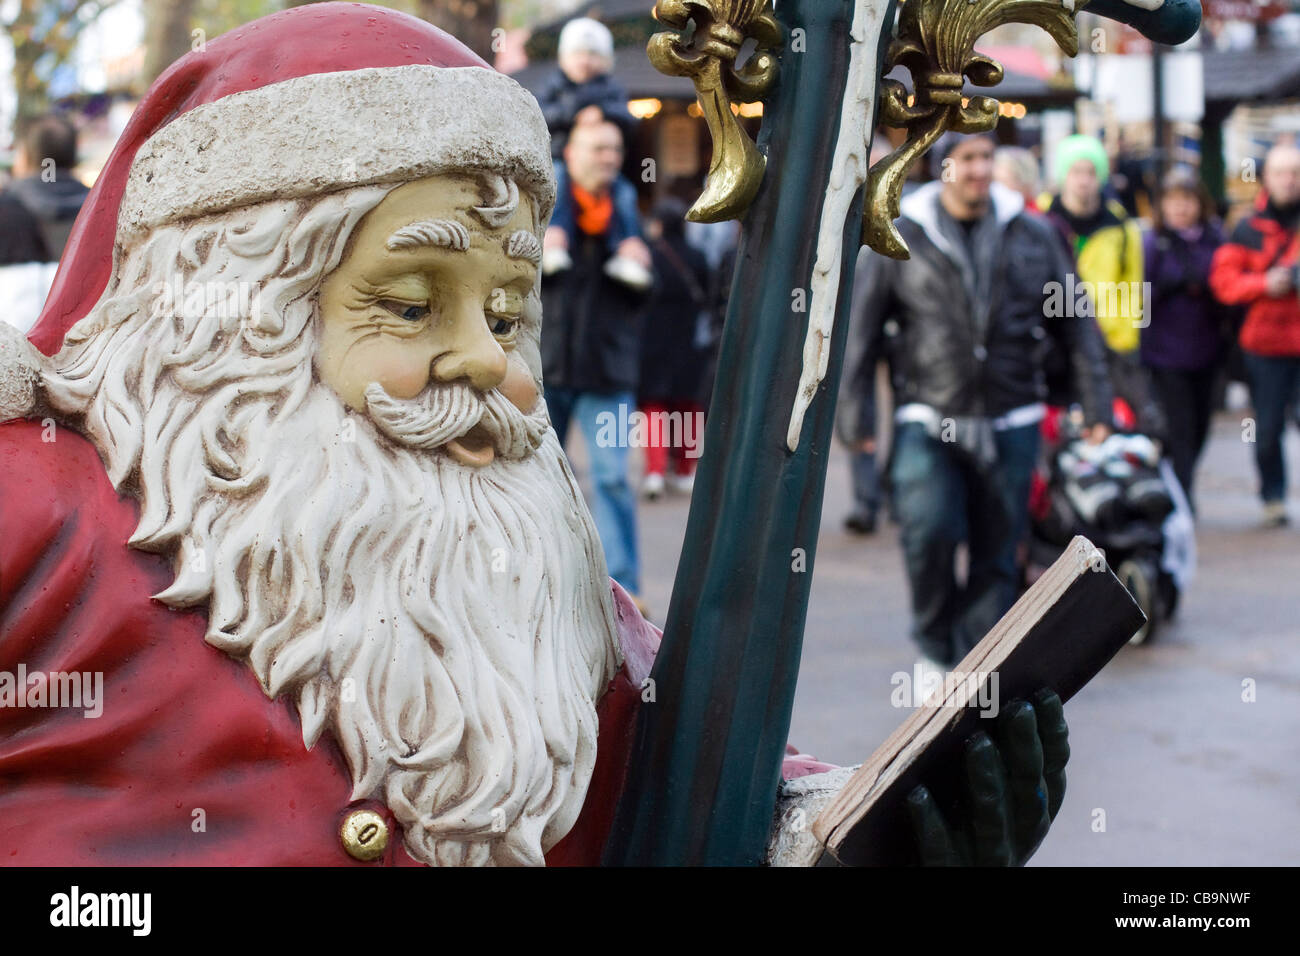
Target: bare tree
{"type": "Point", "coordinates": [470, 21]}
{"type": "Point", "coordinates": [167, 34]}
{"type": "Point", "coordinates": [174, 27]}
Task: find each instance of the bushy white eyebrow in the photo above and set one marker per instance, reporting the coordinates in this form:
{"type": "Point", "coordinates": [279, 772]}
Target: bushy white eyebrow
{"type": "Point", "coordinates": [522, 244]}
{"type": "Point", "coordinates": [446, 233]}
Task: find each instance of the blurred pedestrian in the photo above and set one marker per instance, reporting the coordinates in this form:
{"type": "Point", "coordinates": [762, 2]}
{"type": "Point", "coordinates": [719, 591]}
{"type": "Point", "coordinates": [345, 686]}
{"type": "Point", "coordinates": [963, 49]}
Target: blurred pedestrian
{"type": "Point", "coordinates": [1108, 273]}
{"type": "Point", "coordinates": [43, 181]}
{"type": "Point", "coordinates": [1133, 178]}
{"type": "Point", "coordinates": [591, 348]}
{"type": "Point", "coordinates": [860, 435]}
{"type": "Point", "coordinates": [1257, 268]}
{"type": "Point", "coordinates": [717, 240]}
{"type": "Point", "coordinates": [583, 90]}
{"type": "Point", "coordinates": [37, 210]}
{"type": "Point", "coordinates": [970, 308]}
{"type": "Point", "coordinates": [1017, 168]}
{"type": "Point", "coordinates": [676, 341]}
{"type": "Point", "coordinates": [720, 248]}
{"type": "Point", "coordinates": [1184, 345]}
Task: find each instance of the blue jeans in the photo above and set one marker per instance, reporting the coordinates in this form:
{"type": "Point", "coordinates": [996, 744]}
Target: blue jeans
{"type": "Point", "coordinates": [942, 499]}
{"type": "Point", "coordinates": [613, 505]}
{"type": "Point", "coordinates": [624, 224]}
{"type": "Point", "coordinates": [866, 482]}
{"type": "Point", "coordinates": [1274, 381]}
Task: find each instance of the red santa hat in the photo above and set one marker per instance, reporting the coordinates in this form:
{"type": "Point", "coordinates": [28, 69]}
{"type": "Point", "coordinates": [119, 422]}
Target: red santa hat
{"type": "Point", "coordinates": [307, 101]}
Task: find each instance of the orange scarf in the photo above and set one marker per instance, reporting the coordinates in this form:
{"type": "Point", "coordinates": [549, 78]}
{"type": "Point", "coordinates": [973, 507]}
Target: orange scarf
{"type": "Point", "coordinates": [594, 212]}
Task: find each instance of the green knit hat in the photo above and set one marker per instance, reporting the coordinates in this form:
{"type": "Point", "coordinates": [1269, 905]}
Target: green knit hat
{"type": "Point", "coordinates": [1074, 148]}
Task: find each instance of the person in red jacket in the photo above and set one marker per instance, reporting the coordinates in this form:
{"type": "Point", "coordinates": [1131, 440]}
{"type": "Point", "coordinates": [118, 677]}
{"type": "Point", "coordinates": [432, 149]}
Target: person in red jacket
{"type": "Point", "coordinates": [1258, 268]}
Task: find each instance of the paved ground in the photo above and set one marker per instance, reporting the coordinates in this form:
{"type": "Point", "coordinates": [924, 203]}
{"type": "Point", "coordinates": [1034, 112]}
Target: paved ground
{"type": "Point", "coordinates": [1162, 742]}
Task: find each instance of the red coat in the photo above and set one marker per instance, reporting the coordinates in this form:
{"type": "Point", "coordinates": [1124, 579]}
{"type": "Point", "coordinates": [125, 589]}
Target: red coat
{"type": "Point", "coordinates": [184, 727]}
{"type": "Point", "coordinates": [1259, 242]}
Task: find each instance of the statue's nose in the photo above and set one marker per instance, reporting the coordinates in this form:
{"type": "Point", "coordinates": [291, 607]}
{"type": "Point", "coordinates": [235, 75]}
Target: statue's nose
{"type": "Point", "coordinates": [472, 353]}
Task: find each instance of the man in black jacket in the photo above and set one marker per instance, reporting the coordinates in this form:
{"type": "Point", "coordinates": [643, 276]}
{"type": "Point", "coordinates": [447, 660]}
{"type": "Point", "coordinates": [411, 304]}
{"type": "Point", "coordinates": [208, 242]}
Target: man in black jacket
{"type": "Point", "coordinates": [46, 189]}
{"type": "Point", "coordinates": [591, 346]}
{"type": "Point", "coordinates": [37, 210]}
{"type": "Point", "coordinates": [969, 378]}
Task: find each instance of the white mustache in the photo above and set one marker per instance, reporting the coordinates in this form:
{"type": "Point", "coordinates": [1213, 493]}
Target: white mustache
{"type": "Point", "coordinates": [442, 413]}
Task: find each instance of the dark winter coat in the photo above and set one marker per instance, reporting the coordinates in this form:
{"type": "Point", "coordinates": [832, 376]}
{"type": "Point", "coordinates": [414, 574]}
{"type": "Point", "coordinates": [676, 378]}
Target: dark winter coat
{"type": "Point", "coordinates": [672, 362]}
{"type": "Point", "coordinates": [21, 241]}
{"type": "Point", "coordinates": [1185, 329]}
{"type": "Point", "coordinates": [591, 325]}
{"type": "Point", "coordinates": [972, 338]}
{"type": "Point", "coordinates": [53, 206]}
{"type": "Point", "coordinates": [561, 100]}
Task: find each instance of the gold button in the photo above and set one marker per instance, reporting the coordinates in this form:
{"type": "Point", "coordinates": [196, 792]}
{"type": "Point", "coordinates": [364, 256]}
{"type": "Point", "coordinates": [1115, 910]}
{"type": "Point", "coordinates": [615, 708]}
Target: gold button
{"type": "Point", "coordinates": [364, 834]}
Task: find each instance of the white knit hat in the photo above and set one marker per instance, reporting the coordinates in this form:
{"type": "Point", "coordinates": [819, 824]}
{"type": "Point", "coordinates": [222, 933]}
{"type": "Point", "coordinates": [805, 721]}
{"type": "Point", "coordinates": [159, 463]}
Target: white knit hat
{"type": "Point", "coordinates": [587, 34]}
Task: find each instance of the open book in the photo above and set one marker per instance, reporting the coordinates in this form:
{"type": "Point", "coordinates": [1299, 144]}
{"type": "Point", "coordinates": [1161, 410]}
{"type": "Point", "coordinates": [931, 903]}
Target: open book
{"type": "Point", "coordinates": [1060, 633]}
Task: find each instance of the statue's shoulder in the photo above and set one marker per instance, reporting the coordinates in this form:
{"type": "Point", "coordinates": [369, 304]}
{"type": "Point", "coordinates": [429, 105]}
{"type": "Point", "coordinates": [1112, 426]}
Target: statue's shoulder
{"type": "Point", "coordinates": [44, 455]}
{"type": "Point", "coordinates": [39, 456]}
{"type": "Point", "coordinates": [51, 478]}
{"type": "Point", "coordinates": [57, 509]}
{"type": "Point", "coordinates": [19, 373]}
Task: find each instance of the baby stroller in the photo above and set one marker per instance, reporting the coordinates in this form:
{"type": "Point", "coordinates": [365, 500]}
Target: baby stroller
{"type": "Point", "coordinates": [1124, 497]}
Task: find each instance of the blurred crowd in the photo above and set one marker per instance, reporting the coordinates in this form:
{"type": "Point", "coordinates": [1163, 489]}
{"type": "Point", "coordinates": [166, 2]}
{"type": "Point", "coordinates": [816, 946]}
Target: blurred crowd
{"type": "Point", "coordinates": [1052, 365]}
{"type": "Point", "coordinates": [633, 309]}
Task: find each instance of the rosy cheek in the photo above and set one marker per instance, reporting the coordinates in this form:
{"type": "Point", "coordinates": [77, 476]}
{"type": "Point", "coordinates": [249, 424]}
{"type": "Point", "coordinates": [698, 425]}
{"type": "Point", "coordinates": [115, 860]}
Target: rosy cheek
{"type": "Point", "coordinates": [402, 374]}
{"type": "Point", "coordinates": [518, 387]}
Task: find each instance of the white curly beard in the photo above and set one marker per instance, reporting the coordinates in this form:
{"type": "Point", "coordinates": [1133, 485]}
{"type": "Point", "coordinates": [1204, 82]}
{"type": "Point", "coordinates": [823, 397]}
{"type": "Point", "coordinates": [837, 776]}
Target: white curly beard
{"type": "Point", "coordinates": [452, 626]}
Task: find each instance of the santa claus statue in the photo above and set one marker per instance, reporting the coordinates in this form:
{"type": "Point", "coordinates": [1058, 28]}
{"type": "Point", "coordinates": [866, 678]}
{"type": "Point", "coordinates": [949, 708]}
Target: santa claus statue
{"type": "Point", "coordinates": [293, 569]}
{"type": "Point", "coordinates": [283, 477]}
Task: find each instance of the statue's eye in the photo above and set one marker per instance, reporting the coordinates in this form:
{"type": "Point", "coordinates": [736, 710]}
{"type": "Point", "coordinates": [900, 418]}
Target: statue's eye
{"type": "Point", "coordinates": [503, 327]}
{"type": "Point", "coordinates": [406, 310]}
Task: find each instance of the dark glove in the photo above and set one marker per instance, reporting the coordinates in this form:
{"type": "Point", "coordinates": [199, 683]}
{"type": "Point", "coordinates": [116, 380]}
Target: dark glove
{"type": "Point", "coordinates": [1014, 788]}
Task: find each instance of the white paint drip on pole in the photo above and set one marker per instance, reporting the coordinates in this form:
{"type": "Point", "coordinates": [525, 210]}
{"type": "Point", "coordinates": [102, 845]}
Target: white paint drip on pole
{"type": "Point", "coordinates": [849, 167]}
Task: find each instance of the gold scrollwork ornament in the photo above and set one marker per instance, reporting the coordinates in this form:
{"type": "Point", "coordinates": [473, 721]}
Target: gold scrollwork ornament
{"type": "Point", "coordinates": [936, 43]}
{"type": "Point", "coordinates": [708, 58]}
